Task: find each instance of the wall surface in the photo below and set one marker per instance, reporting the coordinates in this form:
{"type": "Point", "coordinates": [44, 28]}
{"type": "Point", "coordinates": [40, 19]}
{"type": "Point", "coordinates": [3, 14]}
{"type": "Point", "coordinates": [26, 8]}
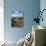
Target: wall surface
{"type": "Point", "coordinates": [29, 7]}
{"type": "Point", "coordinates": [1, 20]}
{"type": "Point", "coordinates": [43, 6]}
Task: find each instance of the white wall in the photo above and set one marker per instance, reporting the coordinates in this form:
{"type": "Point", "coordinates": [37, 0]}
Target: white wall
{"type": "Point", "coordinates": [43, 6]}
{"type": "Point", "coordinates": [1, 21]}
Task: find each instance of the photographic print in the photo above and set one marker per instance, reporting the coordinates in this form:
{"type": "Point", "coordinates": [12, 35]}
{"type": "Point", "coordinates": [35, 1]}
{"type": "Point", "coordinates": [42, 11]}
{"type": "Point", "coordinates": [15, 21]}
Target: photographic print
{"type": "Point", "coordinates": [17, 19]}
